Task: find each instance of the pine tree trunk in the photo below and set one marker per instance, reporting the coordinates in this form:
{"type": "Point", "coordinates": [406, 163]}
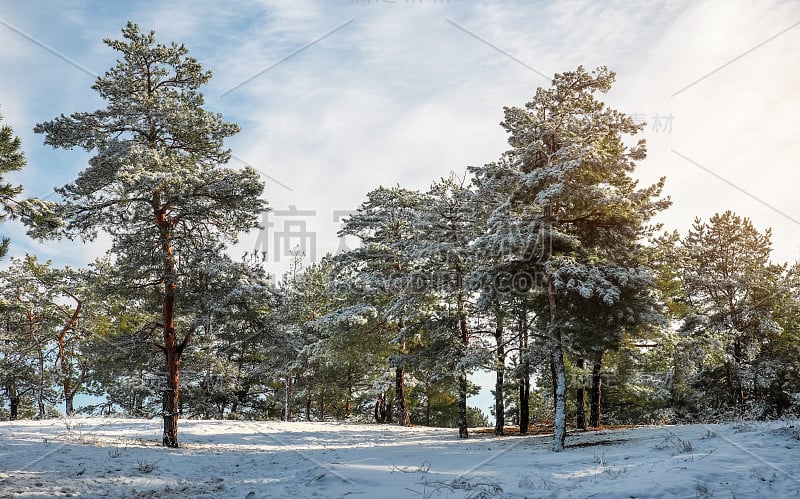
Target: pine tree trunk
{"type": "Point", "coordinates": [736, 378]}
{"type": "Point", "coordinates": [66, 366]}
{"type": "Point", "coordinates": [234, 407]}
{"type": "Point", "coordinates": [380, 409]}
{"type": "Point", "coordinates": [287, 403]}
{"type": "Point", "coordinates": [349, 394]}
{"type": "Point", "coordinates": [524, 404]}
{"type": "Point", "coordinates": [403, 418]}
{"type": "Point", "coordinates": [40, 413]}
{"type": "Point", "coordinates": [560, 380]}
{"type": "Point", "coordinates": [597, 386]}
{"type": "Point", "coordinates": [580, 399]}
{"type": "Point", "coordinates": [14, 408]}
{"type": "Point", "coordinates": [322, 398]}
{"type": "Point", "coordinates": [13, 399]}
{"type": "Point", "coordinates": [500, 369]}
{"type": "Point", "coordinates": [553, 375]}
{"type": "Point", "coordinates": [463, 432]}
{"type": "Point", "coordinates": [525, 377]}
{"type": "Point", "coordinates": [428, 409]}
{"type": "Point", "coordinates": [69, 405]}
{"type": "Point", "coordinates": [170, 404]}
{"type": "Point", "coordinates": [172, 351]}
{"type": "Point", "coordinates": [40, 358]}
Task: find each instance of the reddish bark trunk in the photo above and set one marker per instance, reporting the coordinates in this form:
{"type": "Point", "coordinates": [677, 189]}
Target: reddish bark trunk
{"type": "Point", "coordinates": [172, 349]}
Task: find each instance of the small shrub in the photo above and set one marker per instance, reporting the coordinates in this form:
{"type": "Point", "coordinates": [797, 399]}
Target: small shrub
{"type": "Point", "coordinates": [146, 466]}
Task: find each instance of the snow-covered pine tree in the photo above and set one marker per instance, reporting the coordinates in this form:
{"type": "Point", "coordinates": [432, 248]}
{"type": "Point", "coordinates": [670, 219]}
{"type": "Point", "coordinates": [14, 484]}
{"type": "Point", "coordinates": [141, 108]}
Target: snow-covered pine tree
{"type": "Point", "coordinates": [448, 223]}
{"type": "Point", "coordinates": [64, 293]}
{"type": "Point", "coordinates": [736, 294]}
{"type": "Point", "coordinates": [570, 201]}
{"type": "Point", "coordinates": [502, 271]}
{"type": "Point", "coordinates": [155, 184]}
{"type": "Point", "coordinates": [33, 212]}
{"type": "Point", "coordinates": [11, 159]}
{"type": "Point", "coordinates": [30, 319]}
{"type": "Point", "coordinates": [596, 325]}
{"type": "Point", "coordinates": [235, 349]}
{"type": "Point", "coordinates": [383, 269]}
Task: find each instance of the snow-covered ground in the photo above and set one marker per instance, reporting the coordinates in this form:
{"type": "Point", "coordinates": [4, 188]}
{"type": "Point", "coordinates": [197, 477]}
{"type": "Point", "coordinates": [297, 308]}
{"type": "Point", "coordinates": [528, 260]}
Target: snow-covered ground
{"type": "Point", "coordinates": [122, 458]}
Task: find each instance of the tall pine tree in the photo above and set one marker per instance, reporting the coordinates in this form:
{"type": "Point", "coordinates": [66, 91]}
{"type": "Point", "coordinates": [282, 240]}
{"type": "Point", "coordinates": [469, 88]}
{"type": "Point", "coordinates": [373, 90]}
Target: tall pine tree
{"type": "Point", "coordinates": [154, 183]}
{"type": "Point", "coordinates": [570, 202]}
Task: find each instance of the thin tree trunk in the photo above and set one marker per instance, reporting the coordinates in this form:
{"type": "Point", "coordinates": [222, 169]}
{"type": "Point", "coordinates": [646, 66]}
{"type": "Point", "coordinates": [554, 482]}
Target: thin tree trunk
{"type": "Point", "coordinates": [463, 432]}
{"type": "Point", "coordinates": [322, 399]}
{"type": "Point", "coordinates": [66, 366]}
{"type": "Point", "coordinates": [428, 408]}
{"type": "Point", "coordinates": [560, 380]}
{"type": "Point", "coordinates": [380, 409]}
{"type": "Point", "coordinates": [31, 318]}
{"type": "Point", "coordinates": [403, 419]}
{"type": "Point", "coordinates": [597, 386]}
{"type": "Point", "coordinates": [553, 375]}
{"type": "Point", "coordinates": [525, 376]}
{"type": "Point", "coordinates": [524, 404]}
{"type": "Point", "coordinates": [287, 403]}
{"type": "Point", "coordinates": [349, 394]}
{"type": "Point", "coordinates": [500, 369]}
{"type": "Point", "coordinates": [13, 399]}
{"type": "Point", "coordinates": [736, 381]}
{"type": "Point", "coordinates": [40, 391]}
{"type": "Point", "coordinates": [580, 400]}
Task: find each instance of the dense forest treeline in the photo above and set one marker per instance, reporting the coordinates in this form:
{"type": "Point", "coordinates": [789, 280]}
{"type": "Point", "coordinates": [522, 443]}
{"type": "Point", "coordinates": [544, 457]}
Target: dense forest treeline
{"type": "Point", "coordinates": [544, 267]}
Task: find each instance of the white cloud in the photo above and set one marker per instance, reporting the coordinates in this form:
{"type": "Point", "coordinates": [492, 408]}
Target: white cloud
{"type": "Point", "coordinates": [400, 95]}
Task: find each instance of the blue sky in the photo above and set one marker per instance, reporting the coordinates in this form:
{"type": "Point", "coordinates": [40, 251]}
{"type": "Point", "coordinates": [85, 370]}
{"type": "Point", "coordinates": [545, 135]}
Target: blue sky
{"type": "Point", "coordinates": [335, 98]}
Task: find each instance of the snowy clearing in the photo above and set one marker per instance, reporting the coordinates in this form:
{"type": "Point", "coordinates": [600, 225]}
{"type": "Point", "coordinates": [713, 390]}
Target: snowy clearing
{"type": "Point", "coordinates": [98, 457]}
